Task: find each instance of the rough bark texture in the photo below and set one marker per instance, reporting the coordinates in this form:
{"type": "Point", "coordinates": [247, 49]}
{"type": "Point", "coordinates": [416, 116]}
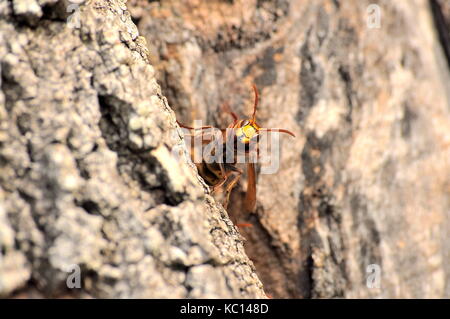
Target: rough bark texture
{"type": "Point", "coordinates": [367, 180]}
{"type": "Point", "coordinates": [87, 172]}
{"type": "Point", "coordinates": [88, 176]}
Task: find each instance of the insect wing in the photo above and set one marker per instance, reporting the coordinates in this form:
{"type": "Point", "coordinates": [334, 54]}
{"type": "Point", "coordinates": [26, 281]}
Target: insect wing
{"type": "Point", "coordinates": [250, 198]}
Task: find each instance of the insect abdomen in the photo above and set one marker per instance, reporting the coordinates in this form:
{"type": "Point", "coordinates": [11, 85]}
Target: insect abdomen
{"type": "Point", "coordinates": [211, 173]}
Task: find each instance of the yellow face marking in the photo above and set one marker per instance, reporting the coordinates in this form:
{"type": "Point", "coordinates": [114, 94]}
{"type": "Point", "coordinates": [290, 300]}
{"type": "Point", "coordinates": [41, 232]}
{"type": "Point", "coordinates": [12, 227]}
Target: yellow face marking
{"type": "Point", "coordinates": [247, 132]}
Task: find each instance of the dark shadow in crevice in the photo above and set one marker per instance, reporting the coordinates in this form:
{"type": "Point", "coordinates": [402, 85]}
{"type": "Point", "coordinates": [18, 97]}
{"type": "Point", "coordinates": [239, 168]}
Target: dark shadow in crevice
{"type": "Point", "coordinates": [442, 27]}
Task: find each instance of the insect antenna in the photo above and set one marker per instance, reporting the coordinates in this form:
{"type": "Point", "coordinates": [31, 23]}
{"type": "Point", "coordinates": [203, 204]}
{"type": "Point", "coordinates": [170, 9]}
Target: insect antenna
{"type": "Point", "coordinates": [255, 105]}
{"type": "Point", "coordinates": [227, 109]}
{"type": "Point", "coordinates": [277, 130]}
{"type": "Point", "coordinates": [194, 128]}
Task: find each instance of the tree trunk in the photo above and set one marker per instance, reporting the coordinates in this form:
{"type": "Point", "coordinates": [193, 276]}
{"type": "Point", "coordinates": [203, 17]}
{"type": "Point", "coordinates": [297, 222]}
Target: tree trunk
{"type": "Point", "coordinates": [89, 182]}
{"type": "Point", "coordinates": [367, 180]}
{"type": "Point", "coordinates": [94, 175]}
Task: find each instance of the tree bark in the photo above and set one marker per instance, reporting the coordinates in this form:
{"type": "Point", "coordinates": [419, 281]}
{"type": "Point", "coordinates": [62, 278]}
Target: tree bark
{"type": "Point", "coordinates": [367, 180]}
{"type": "Point", "coordinates": [94, 174]}
{"type": "Point", "coordinates": [89, 179]}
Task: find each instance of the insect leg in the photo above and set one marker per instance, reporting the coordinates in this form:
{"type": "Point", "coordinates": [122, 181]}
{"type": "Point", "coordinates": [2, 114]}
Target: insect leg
{"type": "Point", "coordinates": [230, 186]}
{"type": "Point", "coordinates": [224, 178]}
